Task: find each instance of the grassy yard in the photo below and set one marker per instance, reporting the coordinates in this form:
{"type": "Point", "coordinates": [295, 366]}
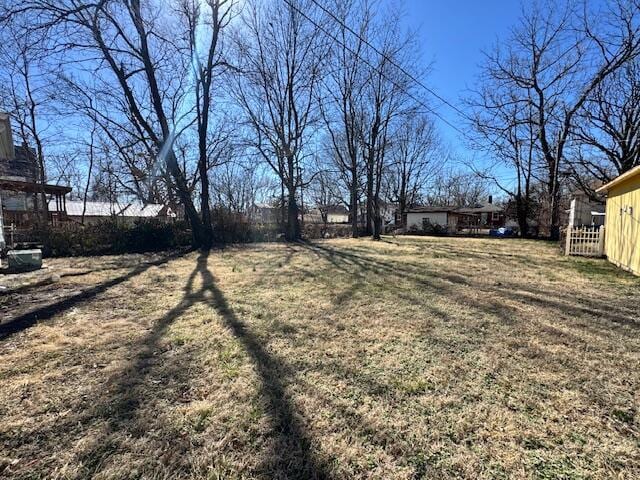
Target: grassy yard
{"type": "Point", "coordinates": [407, 358]}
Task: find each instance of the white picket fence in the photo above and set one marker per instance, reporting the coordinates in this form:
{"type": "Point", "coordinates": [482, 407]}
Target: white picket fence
{"type": "Point", "coordinates": [585, 241]}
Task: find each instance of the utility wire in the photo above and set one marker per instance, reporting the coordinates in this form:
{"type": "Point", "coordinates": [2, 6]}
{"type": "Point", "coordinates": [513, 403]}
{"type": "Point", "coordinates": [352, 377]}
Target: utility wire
{"type": "Point", "coordinates": [388, 59]}
{"type": "Point", "coordinates": [391, 61]}
{"type": "Point", "coordinates": [353, 52]}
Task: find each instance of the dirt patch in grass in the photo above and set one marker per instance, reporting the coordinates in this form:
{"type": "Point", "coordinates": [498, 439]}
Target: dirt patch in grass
{"type": "Point", "coordinates": [410, 358]}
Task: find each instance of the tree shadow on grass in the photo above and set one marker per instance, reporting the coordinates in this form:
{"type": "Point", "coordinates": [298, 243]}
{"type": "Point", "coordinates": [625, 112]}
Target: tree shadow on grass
{"type": "Point", "coordinates": [360, 264]}
{"type": "Point", "coordinates": [362, 267]}
{"type": "Point", "coordinates": [46, 312]}
{"type": "Point", "coordinates": [292, 454]}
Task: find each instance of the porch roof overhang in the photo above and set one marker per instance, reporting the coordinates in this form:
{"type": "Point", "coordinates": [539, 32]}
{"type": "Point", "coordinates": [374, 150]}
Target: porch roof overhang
{"type": "Point", "coordinates": [32, 187]}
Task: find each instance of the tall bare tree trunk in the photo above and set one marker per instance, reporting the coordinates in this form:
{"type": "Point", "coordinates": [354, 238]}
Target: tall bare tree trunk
{"type": "Point", "coordinates": [353, 204]}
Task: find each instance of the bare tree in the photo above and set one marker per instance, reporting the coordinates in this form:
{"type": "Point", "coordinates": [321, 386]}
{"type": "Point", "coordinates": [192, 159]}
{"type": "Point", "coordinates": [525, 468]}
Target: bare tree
{"type": "Point", "coordinates": [280, 63]}
{"type": "Point", "coordinates": [205, 65]}
{"type": "Point", "coordinates": [324, 195]}
{"type": "Point", "coordinates": [415, 160]}
{"type": "Point", "coordinates": [457, 188]}
{"type": "Point", "coordinates": [343, 90]}
{"type": "Point", "coordinates": [387, 98]}
{"type": "Point", "coordinates": [132, 47]}
{"type": "Point", "coordinates": [27, 96]}
{"type": "Point", "coordinates": [556, 58]}
{"type": "Point", "coordinates": [609, 129]}
{"type": "Point", "coordinates": [502, 126]}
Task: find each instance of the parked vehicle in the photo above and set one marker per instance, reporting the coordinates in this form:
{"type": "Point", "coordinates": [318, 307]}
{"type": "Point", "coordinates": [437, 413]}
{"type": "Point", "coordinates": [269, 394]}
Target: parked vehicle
{"type": "Point", "coordinates": [502, 232]}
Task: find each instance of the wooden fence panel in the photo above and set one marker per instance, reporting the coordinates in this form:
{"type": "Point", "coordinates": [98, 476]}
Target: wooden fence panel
{"type": "Point", "coordinates": [585, 241]}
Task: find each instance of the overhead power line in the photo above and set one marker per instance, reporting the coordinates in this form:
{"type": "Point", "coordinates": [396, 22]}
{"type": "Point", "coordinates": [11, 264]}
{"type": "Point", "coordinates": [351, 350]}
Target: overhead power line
{"type": "Point", "coordinates": [395, 64]}
{"type": "Point", "coordinates": [388, 59]}
{"type": "Point", "coordinates": [370, 65]}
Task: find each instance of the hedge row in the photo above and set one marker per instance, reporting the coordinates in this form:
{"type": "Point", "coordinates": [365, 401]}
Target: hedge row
{"type": "Point", "coordinates": [113, 236]}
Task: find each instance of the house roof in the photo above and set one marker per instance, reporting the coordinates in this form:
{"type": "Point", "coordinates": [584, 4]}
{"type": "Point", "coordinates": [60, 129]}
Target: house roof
{"type": "Point", "coordinates": [432, 209]}
{"type": "Point", "coordinates": [106, 209]}
{"type": "Point", "coordinates": [486, 208]}
{"type": "Point", "coordinates": [265, 206]}
{"type": "Point", "coordinates": [337, 210]}
{"type": "Point", "coordinates": [618, 180]}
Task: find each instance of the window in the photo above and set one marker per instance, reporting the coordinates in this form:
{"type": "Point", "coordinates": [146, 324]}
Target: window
{"type": "Point", "coordinates": [495, 216]}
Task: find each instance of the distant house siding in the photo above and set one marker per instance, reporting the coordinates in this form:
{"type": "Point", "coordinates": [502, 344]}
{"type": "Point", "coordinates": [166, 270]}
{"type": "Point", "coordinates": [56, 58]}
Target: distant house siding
{"type": "Point", "coordinates": [22, 167]}
{"type": "Point", "coordinates": [622, 241]}
{"type": "Point", "coordinates": [435, 218]}
{"type": "Point", "coordinates": [337, 218]}
{"type": "Point", "coordinates": [580, 211]}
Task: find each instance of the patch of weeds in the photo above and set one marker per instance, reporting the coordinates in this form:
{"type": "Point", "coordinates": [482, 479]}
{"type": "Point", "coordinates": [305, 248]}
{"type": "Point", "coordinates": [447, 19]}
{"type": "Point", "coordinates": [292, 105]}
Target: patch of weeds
{"type": "Point", "coordinates": [229, 361]}
{"type": "Point", "coordinates": [497, 472]}
{"type": "Point", "coordinates": [490, 378]}
{"type": "Point", "coordinates": [256, 412]}
{"type": "Point", "coordinates": [554, 469]}
{"type": "Point", "coordinates": [577, 438]}
{"type": "Point", "coordinates": [200, 420]}
{"type": "Point", "coordinates": [181, 338]}
{"type": "Point", "coordinates": [284, 328]}
{"type": "Point", "coordinates": [624, 416]}
{"type": "Point", "coordinates": [530, 443]}
{"type": "Point", "coordinates": [420, 464]}
{"type": "Point", "coordinates": [413, 386]}
{"type": "Point", "coordinates": [599, 269]}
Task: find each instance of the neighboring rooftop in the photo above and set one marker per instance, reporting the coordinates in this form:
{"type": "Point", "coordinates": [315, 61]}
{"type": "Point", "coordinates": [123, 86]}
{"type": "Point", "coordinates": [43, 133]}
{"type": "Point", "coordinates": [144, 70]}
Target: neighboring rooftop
{"type": "Point", "coordinates": [432, 209]}
{"type": "Point", "coordinates": [107, 209]}
{"type": "Point", "coordinates": [31, 187]}
{"type": "Point", "coordinates": [486, 208]}
{"type": "Point", "coordinates": [337, 209]}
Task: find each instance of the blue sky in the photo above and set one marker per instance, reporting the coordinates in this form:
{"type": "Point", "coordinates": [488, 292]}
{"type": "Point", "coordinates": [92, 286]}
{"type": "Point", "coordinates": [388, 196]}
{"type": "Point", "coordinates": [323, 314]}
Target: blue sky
{"type": "Point", "coordinates": [453, 34]}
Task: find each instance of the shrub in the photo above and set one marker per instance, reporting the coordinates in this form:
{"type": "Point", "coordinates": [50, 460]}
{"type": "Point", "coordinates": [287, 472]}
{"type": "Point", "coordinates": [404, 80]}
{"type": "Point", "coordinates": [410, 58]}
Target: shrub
{"type": "Point", "coordinates": [436, 229]}
{"type": "Point", "coordinates": [313, 231]}
{"type": "Point", "coordinates": [112, 236]}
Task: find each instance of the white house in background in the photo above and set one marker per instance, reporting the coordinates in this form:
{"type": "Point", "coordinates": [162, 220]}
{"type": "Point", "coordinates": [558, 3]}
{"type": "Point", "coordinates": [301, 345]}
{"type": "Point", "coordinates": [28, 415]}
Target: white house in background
{"type": "Point", "coordinates": [337, 214]}
{"type": "Point", "coordinates": [333, 213]}
{"type": "Point", "coordinates": [127, 211]}
{"type": "Point", "coordinates": [584, 211]}
{"type": "Point", "coordinates": [419, 217]}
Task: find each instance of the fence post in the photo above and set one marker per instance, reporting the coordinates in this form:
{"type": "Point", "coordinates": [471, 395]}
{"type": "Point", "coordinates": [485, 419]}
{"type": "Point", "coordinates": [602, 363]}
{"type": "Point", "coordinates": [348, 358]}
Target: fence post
{"type": "Point", "coordinates": [601, 241]}
{"type": "Point", "coordinates": [567, 247]}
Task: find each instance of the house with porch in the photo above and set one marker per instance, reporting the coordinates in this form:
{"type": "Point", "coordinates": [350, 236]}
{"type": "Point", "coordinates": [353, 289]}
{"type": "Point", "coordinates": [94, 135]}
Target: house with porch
{"type": "Point", "coordinates": [21, 187]}
{"type": "Point", "coordinates": [485, 217]}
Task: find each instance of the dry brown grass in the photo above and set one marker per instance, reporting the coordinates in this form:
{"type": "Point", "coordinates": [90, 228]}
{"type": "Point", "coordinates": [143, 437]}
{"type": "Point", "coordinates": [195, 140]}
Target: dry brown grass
{"type": "Point", "coordinates": [410, 358]}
